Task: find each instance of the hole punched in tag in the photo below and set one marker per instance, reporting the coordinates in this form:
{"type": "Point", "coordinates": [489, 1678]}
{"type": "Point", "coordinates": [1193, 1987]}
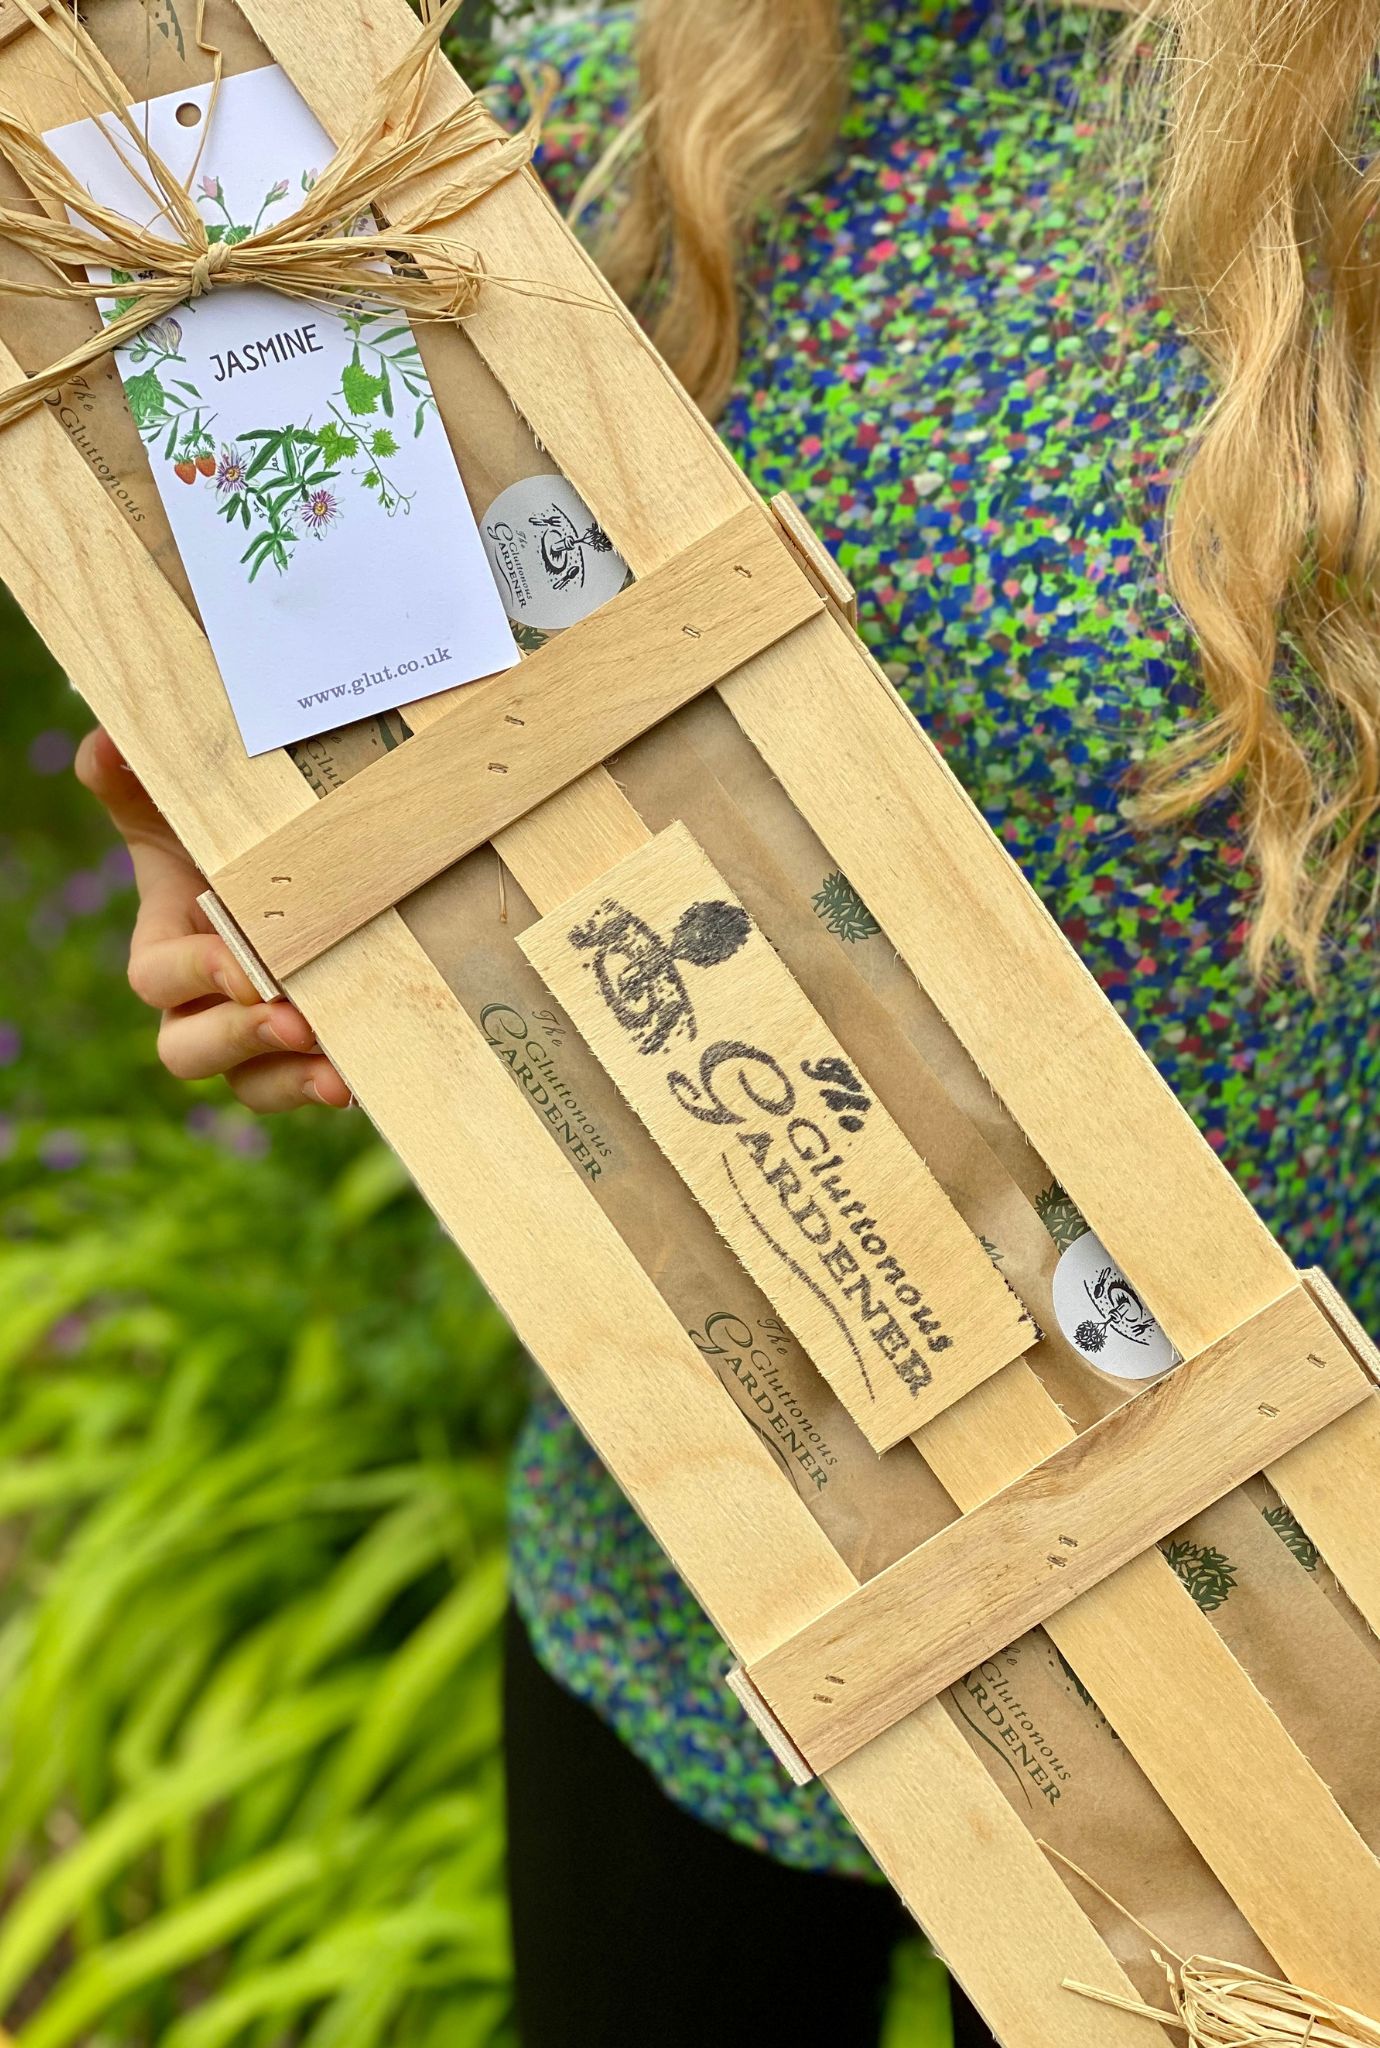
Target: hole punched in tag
{"type": "Point", "coordinates": [189, 115]}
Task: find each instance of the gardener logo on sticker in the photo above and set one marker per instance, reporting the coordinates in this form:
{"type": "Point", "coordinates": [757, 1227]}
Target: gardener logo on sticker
{"type": "Point", "coordinates": [552, 560]}
{"type": "Point", "coordinates": [1103, 1316]}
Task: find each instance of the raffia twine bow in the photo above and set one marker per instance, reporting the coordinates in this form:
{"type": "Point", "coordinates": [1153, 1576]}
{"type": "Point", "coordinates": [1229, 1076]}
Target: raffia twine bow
{"type": "Point", "coordinates": [315, 253]}
{"type": "Point", "coordinates": [1224, 2005]}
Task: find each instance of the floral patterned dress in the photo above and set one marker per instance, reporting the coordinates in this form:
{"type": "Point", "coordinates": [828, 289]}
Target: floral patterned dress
{"type": "Point", "coordinates": [982, 428]}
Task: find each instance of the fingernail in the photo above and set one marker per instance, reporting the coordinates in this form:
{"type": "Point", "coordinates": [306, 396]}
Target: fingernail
{"type": "Point", "coordinates": [266, 1035]}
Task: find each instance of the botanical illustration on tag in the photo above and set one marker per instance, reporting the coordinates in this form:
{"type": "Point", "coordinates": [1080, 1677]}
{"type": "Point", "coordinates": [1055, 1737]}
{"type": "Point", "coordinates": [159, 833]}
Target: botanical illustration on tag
{"type": "Point", "coordinates": [1103, 1316]}
{"type": "Point", "coordinates": [552, 561]}
{"type": "Point", "coordinates": [291, 481]}
{"type": "Point", "coordinates": [306, 473]}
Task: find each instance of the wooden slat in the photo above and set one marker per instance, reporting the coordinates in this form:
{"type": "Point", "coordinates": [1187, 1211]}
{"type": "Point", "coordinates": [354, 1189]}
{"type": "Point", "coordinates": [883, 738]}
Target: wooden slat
{"type": "Point", "coordinates": [1015, 1560]}
{"type": "Point", "coordinates": [166, 710]}
{"type": "Point", "coordinates": [816, 560]}
{"type": "Point", "coordinates": [1330, 1483]}
{"type": "Point", "coordinates": [12, 22]}
{"type": "Point", "coordinates": [780, 1138]}
{"type": "Point", "coordinates": [504, 745]}
{"type": "Point", "coordinates": [620, 416]}
{"type": "Point", "coordinates": [1241, 1783]}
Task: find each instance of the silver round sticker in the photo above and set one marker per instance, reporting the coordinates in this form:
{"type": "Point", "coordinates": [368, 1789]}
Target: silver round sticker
{"type": "Point", "coordinates": [1104, 1318]}
{"type": "Point", "coordinates": [552, 561]}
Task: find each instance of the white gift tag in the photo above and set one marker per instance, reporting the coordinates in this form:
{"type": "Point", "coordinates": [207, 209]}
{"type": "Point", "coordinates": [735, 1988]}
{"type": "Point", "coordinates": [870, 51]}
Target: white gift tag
{"type": "Point", "coordinates": [305, 470]}
{"type": "Point", "coordinates": [1104, 1318]}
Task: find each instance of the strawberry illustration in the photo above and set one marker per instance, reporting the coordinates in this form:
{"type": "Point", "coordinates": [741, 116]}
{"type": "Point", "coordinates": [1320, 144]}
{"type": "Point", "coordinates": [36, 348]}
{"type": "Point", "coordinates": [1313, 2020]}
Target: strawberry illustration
{"type": "Point", "coordinates": [206, 464]}
{"type": "Point", "coordinates": [186, 470]}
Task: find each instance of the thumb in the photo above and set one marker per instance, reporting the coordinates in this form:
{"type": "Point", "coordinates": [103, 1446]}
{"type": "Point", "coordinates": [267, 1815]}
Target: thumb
{"type": "Point", "coordinates": [101, 768]}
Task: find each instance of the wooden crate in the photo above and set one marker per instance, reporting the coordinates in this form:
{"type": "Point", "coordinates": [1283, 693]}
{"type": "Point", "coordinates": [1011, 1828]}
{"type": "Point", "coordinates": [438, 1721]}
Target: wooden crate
{"type": "Point", "coordinates": [973, 1065]}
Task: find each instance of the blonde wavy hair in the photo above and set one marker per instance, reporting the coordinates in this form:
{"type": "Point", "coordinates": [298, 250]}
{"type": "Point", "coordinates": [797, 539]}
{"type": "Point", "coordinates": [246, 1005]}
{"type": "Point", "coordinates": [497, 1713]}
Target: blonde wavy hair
{"type": "Point", "coordinates": [1268, 244]}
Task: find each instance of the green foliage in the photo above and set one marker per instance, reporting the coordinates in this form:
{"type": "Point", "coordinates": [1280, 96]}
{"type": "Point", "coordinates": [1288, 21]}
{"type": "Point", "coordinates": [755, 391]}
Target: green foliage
{"type": "Point", "coordinates": [362, 389]}
{"type": "Point", "coordinates": [147, 400]}
{"type": "Point", "coordinates": [335, 444]}
{"type": "Point", "coordinates": [253, 1418]}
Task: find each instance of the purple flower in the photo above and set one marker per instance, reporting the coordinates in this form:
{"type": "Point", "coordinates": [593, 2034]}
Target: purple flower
{"type": "Point", "coordinates": [11, 1044]}
{"type": "Point", "coordinates": [211, 187]}
{"type": "Point", "coordinates": [60, 1151]}
{"type": "Point", "coordinates": [229, 472]}
{"type": "Point", "coordinates": [318, 510]}
{"type": "Point", "coordinates": [247, 1140]}
{"type": "Point", "coordinates": [165, 334]}
{"type": "Point", "coordinates": [68, 1334]}
{"type": "Point", "coordinates": [51, 753]}
{"type": "Point", "coordinates": [85, 892]}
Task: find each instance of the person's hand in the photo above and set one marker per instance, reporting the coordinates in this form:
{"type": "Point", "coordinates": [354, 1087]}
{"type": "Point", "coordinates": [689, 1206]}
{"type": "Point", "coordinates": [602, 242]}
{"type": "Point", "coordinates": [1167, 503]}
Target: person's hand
{"type": "Point", "coordinates": [212, 1020]}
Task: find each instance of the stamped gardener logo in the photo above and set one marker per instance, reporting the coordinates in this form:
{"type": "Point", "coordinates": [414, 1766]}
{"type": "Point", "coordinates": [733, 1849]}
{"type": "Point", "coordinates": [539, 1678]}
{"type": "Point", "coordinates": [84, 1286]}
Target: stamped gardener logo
{"type": "Point", "coordinates": [638, 971]}
{"type": "Point", "coordinates": [1115, 1307]}
{"type": "Point", "coordinates": [293, 479]}
{"type": "Point", "coordinates": [793, 1120]}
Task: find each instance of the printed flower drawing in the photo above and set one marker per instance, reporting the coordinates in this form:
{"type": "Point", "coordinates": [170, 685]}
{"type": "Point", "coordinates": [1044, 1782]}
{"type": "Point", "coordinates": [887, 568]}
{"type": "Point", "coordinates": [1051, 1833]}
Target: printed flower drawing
{"type": "Point", "coordinates": [230, 471]}
{"type": "Point", "coordinates": [275, 485]}
{"type": "Point", "coordinates": [318, 510]}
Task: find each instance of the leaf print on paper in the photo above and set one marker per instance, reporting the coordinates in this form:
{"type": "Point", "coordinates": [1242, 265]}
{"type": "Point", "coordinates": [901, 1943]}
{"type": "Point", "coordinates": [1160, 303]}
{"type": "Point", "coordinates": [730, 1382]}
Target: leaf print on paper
{"type": "Point", "coordinates": [1061, 1216]}
{"type": "Point", "coordinates": [1293, 1536]}
{"type": "Point", "coordinates": [163, 14]}
{"type": "Point", "coordinates": [1209, 1575]}
{"type": "Point", "coordinates": [843, 910]}
{"type": "Point", "coordinates": [361, 389]}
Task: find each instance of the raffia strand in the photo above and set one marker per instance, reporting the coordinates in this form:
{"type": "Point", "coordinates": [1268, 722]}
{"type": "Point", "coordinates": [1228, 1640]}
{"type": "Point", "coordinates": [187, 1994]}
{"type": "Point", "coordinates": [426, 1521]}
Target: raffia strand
{"type": "Point", "coordinates": [1222, 2005]}
{"type": "Point", "coordinates": [314, 254]}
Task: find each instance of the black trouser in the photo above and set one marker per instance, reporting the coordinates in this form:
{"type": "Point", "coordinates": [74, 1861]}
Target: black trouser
{"type": "Point", "coordinates": [636, 1926]}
